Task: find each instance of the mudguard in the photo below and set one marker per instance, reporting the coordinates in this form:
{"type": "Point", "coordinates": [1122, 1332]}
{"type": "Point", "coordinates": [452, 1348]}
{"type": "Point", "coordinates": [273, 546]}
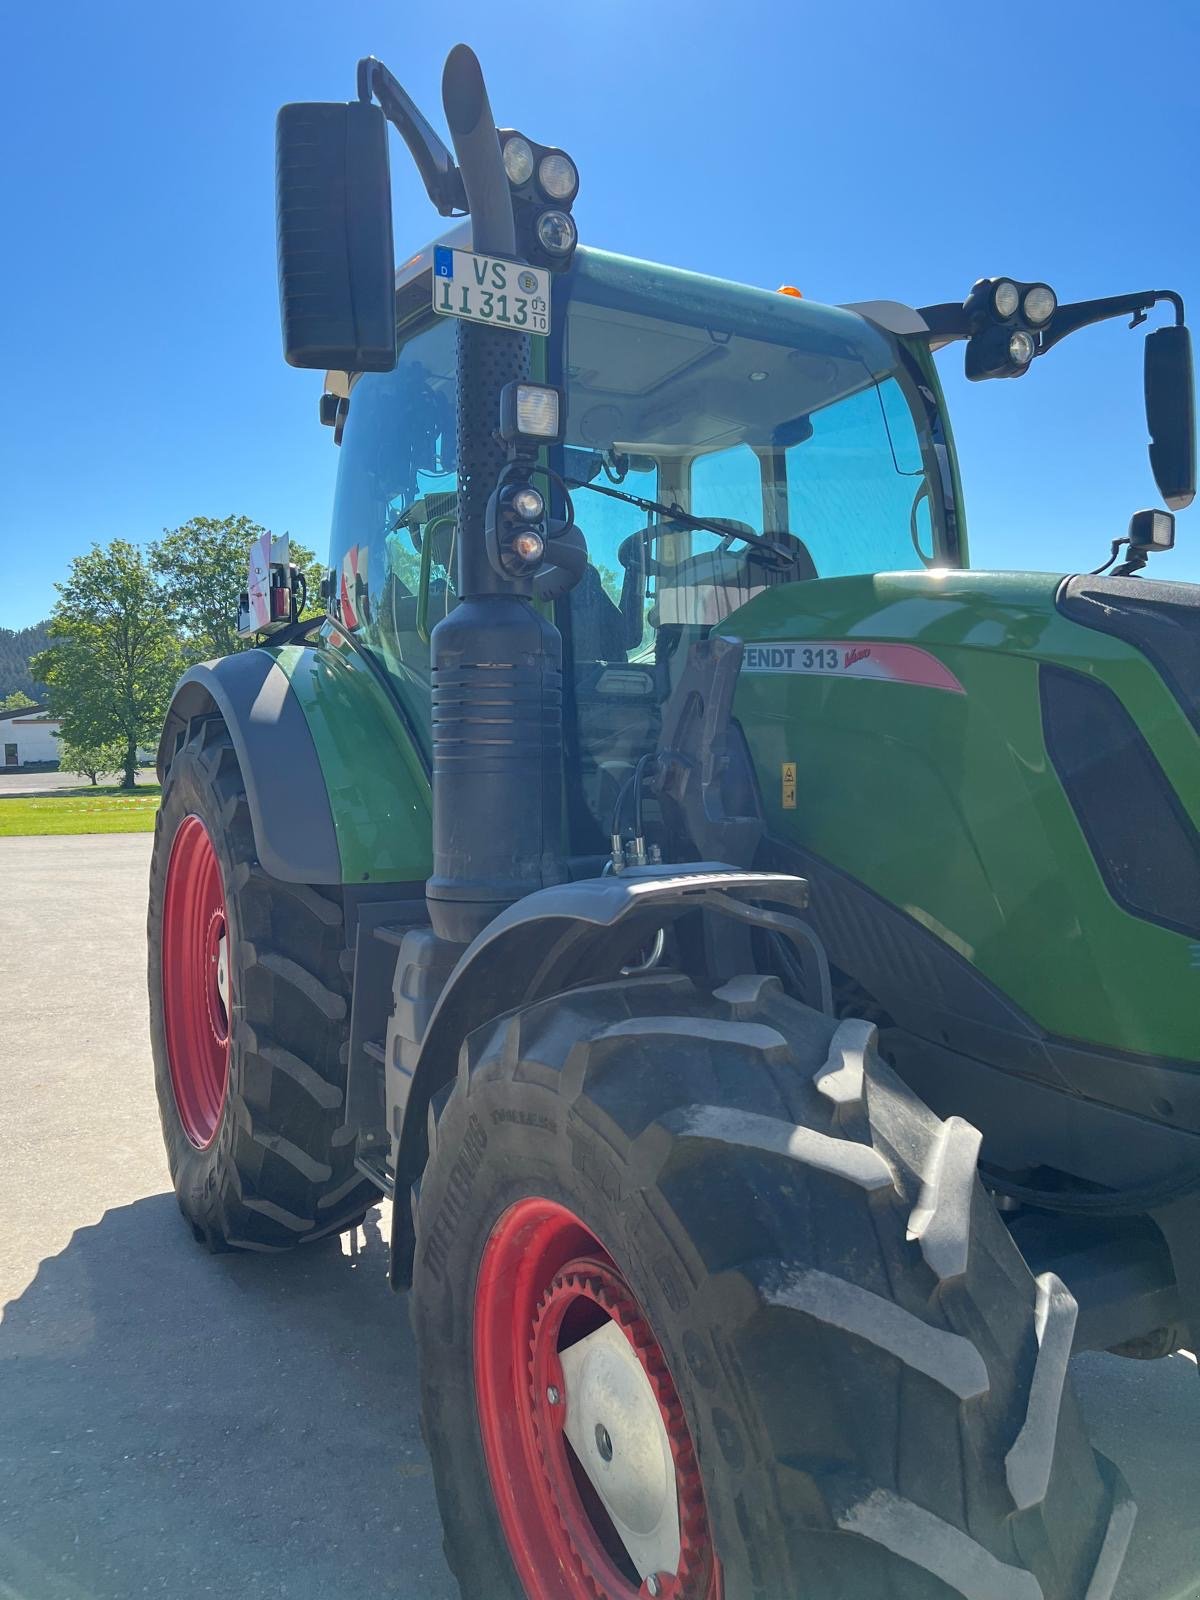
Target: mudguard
{"type": "Point", "coordinates": [333, 777]}
{"type": "Point", "coordinates": [550, 941]}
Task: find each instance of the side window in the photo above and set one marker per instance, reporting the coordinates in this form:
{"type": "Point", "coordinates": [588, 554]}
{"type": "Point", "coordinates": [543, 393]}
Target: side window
{"type": "Point", "coordinates": [396, 483]}
{"type": "Point", "coordinates": [856, 487]}
{"type": "Point", "coordinates": [701, 576]}
{"type": "Point", "coordinates": [728, 483]}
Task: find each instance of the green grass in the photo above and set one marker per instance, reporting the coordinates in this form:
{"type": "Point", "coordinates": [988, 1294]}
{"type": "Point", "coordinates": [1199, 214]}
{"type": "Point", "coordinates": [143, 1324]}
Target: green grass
{"type": "Point", "coordinates": [104, 809]}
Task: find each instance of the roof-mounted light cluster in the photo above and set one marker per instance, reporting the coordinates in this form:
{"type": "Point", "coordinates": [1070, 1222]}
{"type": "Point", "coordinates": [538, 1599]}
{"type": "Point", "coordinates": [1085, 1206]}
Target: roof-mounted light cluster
{"type": "Point", "coordinates": [544, 182]}
{"type": "Point", "coordinates": [1007, 320]}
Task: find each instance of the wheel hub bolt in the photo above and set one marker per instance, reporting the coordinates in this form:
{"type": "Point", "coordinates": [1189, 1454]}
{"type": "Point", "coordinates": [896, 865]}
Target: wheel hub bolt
{"type": "Point", "coordinates": [604, 1442]}
{"type": "Point", "coordinates": [553, 1396]}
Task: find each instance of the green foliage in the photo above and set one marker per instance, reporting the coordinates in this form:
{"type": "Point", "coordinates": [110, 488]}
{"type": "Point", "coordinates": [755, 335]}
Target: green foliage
{"type": "Point", "coordinates": [611, 581]}
{"type": "Point", "coordinates": [114, 654]}
{"type": "Point", "coordinates": [17, 645]}
{"type": "Point", "coordinates": [91, 760]}
{"type": "Point", "coordinates": [202, 569]}
{"type": "Point", "coordinates": [17, 701]}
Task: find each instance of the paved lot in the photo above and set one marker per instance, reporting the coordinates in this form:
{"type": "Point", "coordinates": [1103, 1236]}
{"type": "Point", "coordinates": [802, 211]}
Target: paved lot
{"type": "Point", "coordinates": [18, 782]}
{"type": "Point", "coordinates": [173, 1423]}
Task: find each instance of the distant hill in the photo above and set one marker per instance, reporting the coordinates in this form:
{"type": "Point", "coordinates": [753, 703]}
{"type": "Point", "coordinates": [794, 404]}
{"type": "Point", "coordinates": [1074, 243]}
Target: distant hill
{"type": "Point", "coordinates": [16, 647]}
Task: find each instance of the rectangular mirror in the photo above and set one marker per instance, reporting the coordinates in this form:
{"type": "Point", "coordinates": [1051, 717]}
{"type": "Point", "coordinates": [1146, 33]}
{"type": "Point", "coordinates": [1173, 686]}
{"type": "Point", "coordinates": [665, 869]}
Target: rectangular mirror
{"type": "Point", "coordinates": [333, 202]}
{"type": "Point", "coordinates": [1171, 414]}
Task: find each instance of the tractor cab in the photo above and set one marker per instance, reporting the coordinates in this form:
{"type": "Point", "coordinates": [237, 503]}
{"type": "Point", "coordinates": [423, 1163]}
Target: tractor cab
{"type": "Point", "coordinates": [810, 437]}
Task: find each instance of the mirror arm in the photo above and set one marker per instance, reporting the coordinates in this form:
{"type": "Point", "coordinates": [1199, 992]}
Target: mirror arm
{"type": "Point", "coordinates": [1082, 313]}
{"type": "Point", "coordinates": [442, 179]}
{"type": "Point", "coordinates": [946, 323]}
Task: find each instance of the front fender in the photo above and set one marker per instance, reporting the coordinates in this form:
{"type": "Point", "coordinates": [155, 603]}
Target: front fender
{"type": "Point", "coordinates": [545, 943]}
{"type": "Point", "coordinates": [336, 790]}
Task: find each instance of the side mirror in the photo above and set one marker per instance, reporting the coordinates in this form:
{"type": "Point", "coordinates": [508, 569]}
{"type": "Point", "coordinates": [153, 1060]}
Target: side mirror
{"type": "Point", "coordinates": [333, 203]}
{"type": "Point", "coordinates": [1171, 414]}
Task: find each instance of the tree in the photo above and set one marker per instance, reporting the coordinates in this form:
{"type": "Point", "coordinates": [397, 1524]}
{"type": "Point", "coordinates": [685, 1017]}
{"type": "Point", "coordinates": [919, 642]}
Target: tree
{"type": "Point", "coordinates": [90, 761]}
{"type": "Point", "coordinates": [113, 656]}
{"type": "Point", "coordinates": [16, 647]}
{"type": "Point", "coordinates": [17, 701]}
{"type": "Point", "coordinates": [202, 567]}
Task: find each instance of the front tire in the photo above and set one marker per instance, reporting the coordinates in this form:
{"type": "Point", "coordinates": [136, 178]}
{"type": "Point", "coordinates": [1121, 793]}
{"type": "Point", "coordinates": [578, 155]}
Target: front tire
{"type": "Point", "coordinates": [873, 1387]}
{"type": "Point", "coordinates": [249, 1019]}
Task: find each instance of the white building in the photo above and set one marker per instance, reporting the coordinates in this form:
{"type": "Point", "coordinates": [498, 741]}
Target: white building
{"type": "Point", "coordinates": [29, 736]}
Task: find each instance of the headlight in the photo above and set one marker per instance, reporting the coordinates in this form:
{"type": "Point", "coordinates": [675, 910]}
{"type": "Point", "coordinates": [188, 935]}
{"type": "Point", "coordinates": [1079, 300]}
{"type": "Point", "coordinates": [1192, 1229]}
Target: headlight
{"type": "Point", "coordinates": [557, 176]}
{"type": "Point", "coordinates": [1039, 305]}
{"type": "Point", "coordinates": [1022, 347]}
{"type": "Point", "coordinates": [530, 547]}
{"type": "Point", "coordinates": [556, 232]}
{"type": "Point", "coordinates": [528, 504]}
{"type": "Point", "coordinates": [518, 160]}
{"type": "Point", "coordinates": [1006, 297]}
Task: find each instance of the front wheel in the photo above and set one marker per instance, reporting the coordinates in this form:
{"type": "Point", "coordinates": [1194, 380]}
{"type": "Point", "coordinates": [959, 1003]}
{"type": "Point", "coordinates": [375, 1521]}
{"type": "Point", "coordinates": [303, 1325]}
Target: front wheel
{"type": "Point", "coordinates": [709, 1306]}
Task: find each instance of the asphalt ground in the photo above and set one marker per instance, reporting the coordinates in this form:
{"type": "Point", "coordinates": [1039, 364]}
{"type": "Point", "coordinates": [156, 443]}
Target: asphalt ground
{"type": "Point", "coordinates": [175, 1423]}
{"type": "Point", "coordinates": [13, 780]}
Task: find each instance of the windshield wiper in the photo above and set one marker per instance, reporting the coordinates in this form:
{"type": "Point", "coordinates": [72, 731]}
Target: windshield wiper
{"type": "Point", "coordinates": [725, 528]}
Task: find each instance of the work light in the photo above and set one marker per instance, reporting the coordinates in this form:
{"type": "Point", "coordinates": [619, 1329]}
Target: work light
{"type": "Point", "coordinates": [558, 177]}
{"type": "Point", "coordinates": [1006, 297]}
{"type": "Point", "coordinates": [1022, 347]}
{"type": "Point", "coordinates": [518, 160]}
{"type": "Point", "coordinates": [530, 413]}
{"type": "Point", "coordinates": [1039, 304]}
{"type": "Point", "coordinates": [556, 233]}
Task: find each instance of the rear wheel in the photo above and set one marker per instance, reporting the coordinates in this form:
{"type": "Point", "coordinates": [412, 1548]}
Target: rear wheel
{"type": "Point", "coordinates": [249, 1019]}
{"type": "Point", "coordinates": [738, 1321]}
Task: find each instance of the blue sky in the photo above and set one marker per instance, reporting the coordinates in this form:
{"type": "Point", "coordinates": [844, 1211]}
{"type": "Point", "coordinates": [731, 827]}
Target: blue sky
{"type": "Point", "coordinates": [864, 150]}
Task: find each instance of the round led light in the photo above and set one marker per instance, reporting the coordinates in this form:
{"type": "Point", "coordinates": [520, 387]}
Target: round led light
{"type": "Point", "coordinates": [1022, 347]}
{"type": "Point", "coordinates": [528, 504]}
{"type": "Point", "coordinates": [1006, 297]}
{"type": "Point", "coordinates": [556, 232]}
{"type": "Point", "coordinates": [518, 160]}
{"type": "Point", "coordinates": [1039, 305]}
{"type": "Point", "coordinates": [529, 546]}
{"type": "Point", "coordinates": [557, 176]}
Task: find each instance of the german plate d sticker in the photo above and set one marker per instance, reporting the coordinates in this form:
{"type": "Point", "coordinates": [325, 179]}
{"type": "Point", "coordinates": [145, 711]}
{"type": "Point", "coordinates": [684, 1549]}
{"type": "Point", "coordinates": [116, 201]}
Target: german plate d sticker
{"type": "Point", "coordinates": [841, 658]}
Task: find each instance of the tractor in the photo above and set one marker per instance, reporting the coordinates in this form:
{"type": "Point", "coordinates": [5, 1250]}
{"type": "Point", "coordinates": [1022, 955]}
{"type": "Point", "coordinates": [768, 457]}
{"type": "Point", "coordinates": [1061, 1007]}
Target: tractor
{"type": "Point", "coordinates": [757, 952]}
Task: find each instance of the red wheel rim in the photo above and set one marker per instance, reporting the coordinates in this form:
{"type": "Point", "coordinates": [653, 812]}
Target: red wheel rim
{"type": "Point", "coordinates": [545, 1284]}
{"type": "Point", "coordinates": [195, 984]}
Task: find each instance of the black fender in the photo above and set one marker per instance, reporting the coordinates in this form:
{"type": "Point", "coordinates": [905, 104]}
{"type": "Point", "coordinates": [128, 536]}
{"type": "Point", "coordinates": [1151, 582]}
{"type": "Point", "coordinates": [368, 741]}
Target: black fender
{"type": "Point", "coordinates": [290, 813]}
{"type": "Point", "coordinates": [553, 940]}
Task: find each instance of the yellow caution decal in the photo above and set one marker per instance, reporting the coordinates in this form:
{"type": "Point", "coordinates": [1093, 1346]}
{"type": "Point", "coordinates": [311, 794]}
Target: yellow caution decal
{"type": "Point", "coordinates": [787, 779]}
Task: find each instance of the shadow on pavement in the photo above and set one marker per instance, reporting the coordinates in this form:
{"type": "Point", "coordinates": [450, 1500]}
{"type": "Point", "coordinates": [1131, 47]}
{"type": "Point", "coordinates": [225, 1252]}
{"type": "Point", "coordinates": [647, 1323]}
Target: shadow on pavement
{"type": "Point", "coordinates": [175, 1423]}
{"type": "Point", "coordinates": [178, 1423]}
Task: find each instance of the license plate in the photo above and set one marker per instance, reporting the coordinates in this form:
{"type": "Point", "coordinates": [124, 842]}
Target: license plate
{"type": "Point", "coordinates": [504, 294]}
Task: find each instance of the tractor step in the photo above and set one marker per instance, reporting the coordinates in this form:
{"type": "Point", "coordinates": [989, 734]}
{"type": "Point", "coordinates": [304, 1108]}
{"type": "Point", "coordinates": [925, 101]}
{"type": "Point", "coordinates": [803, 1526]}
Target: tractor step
{"type": "Point", "coordinates": [373, 1167]}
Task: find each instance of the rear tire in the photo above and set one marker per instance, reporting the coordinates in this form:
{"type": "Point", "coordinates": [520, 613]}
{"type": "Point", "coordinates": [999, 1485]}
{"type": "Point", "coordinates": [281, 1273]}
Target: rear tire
{"type": "Point", "coordinates": [253, 1131]}
{"type": "Point", "coordinates": [875, 1387]}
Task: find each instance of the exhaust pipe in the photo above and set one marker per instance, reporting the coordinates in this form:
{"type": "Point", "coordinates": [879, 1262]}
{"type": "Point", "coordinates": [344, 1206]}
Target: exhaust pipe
{"type": "Point", "coordinates": [496, 662]}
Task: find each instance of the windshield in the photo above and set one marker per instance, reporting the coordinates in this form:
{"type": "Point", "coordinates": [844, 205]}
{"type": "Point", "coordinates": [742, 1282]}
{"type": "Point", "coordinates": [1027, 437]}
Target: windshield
{"type": "Point", "coordinates": [803, 426]}
{"type": "Point", "coordinates": [802, 422]}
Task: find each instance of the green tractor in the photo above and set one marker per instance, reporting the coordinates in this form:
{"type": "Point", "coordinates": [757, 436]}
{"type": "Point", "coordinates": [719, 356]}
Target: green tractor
{"type": "Point", "coordinates": [758, 953]}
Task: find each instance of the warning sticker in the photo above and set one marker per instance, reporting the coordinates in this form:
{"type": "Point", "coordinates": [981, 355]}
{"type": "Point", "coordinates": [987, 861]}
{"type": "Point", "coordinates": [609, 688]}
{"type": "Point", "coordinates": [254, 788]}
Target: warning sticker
{"type": "Point", "coordinates": [787, 776]}
{"type": "Point", "coordinates": [842, 658]}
